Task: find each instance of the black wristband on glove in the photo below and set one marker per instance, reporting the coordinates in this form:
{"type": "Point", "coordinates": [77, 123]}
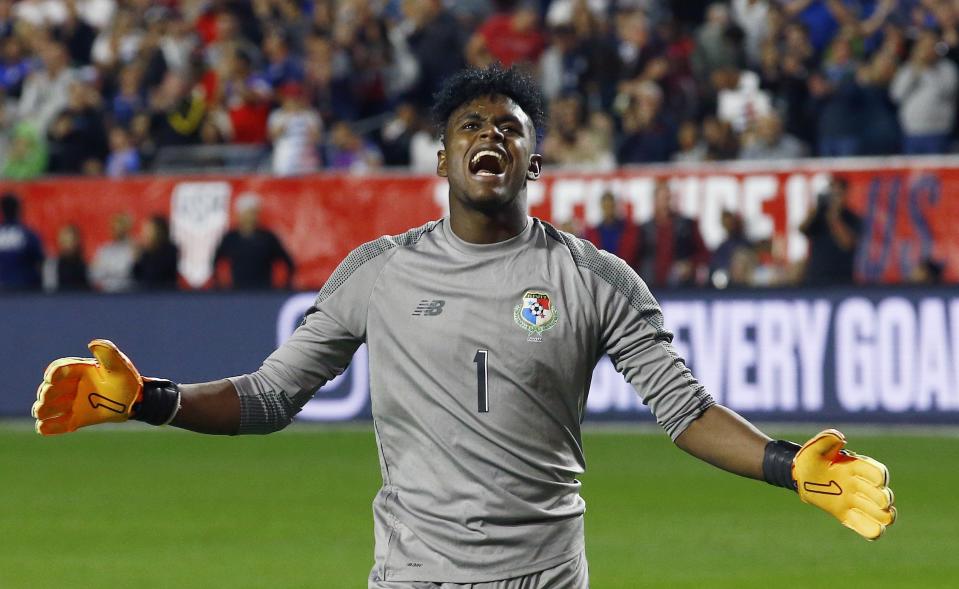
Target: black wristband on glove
{"type": "Point", "coordinates": [161, 401]}
{"type": "Point", "coordinates": [778, 463]}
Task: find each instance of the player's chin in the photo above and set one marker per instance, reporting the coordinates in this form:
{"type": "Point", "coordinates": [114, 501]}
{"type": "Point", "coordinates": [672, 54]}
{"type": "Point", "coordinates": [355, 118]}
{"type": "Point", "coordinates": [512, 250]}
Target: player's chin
{"type": "Point", "coordinates": [482, 195]}
{"type": "Point", "coordinates": [488, 189]}
{"type": "Point", "coordinates": [489, 200]}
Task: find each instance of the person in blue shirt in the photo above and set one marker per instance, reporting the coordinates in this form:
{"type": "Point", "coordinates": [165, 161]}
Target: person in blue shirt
{"type": "Point", "coordinates": [21, 253]}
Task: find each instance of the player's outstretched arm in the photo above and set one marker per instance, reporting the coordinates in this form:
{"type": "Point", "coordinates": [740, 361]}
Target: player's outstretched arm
{"type": "Point", "coordinates": [724, 439]}
{"type": "Point", "coordinates": [77, 392]}
{"type": "Point", "coordinates": [209, 408]}
{"type": "Point", "coordinates": [854, 489]}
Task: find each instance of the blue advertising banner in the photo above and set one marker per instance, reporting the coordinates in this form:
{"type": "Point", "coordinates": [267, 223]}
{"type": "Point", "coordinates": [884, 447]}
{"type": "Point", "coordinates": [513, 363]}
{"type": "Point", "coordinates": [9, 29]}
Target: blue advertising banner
{"type": "Point", "coordinates": [854, 355]}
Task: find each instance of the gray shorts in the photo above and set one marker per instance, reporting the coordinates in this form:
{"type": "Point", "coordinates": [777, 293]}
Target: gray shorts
{"type": "Point", "coordinates": [572, 574]}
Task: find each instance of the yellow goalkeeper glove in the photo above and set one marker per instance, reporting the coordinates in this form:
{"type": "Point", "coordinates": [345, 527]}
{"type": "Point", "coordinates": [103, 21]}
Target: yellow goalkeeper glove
{"type": "Point", "coordinates": [854, 489]}
{"type": "Point", "coordinates": [78, 392]}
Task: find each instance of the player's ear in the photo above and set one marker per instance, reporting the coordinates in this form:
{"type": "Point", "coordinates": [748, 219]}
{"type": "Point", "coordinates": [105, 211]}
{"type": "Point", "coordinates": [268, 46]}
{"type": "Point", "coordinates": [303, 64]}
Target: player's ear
{"type": "Point", "coordinates": [441, 163]}
{"type": "Point", "coordinates": [535, 168]}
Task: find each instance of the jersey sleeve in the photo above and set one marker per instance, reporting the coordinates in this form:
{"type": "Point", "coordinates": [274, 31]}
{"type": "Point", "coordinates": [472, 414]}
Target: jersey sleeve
{"type": "Point", "coordinates": [320, 348]}
{"type": "Point", "coordinates": [633, 335]}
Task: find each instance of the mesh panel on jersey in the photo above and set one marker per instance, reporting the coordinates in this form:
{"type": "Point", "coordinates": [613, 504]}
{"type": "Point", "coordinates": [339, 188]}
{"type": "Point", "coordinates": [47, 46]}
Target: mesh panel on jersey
{"type": "Point", "coordinates": [264, 413]}
{"type": "Point", "coordinates": [624, 279]}
{"type": "Point", "coordinates": [369, 251]}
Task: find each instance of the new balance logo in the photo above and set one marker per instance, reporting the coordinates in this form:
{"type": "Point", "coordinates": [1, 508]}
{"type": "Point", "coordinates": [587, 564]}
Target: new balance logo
{"type": "Point", "coordinates": [429, 307]}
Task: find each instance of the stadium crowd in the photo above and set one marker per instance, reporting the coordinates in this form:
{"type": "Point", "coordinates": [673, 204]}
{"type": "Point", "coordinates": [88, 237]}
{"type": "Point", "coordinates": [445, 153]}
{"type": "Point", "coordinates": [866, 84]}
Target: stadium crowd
{"type": "Point", "coordinates": [102, 86]}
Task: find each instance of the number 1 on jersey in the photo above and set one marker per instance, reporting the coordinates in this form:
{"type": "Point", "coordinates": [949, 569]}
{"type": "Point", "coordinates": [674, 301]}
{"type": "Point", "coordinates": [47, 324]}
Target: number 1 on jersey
{"type": "Point", "coordinates": [482, 390]}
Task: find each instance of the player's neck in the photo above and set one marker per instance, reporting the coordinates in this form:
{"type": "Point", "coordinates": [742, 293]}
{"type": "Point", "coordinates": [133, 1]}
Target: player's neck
{"type": "Point", "coordinates": [483, 227]}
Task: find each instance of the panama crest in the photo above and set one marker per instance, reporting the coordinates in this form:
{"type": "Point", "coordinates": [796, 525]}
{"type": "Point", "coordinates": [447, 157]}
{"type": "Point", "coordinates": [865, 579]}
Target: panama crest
{"type": "Point", "coordinates": [535, 314]}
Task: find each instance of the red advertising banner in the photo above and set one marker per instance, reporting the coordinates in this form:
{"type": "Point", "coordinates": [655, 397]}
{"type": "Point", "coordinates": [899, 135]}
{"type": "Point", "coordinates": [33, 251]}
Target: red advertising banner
{"type": "Point", "coordinates": [908, 208]}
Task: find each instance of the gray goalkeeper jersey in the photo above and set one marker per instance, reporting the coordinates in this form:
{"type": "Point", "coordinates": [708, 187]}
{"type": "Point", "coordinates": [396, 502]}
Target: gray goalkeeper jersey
{"type": "Point", "coordinates": [480, 362]}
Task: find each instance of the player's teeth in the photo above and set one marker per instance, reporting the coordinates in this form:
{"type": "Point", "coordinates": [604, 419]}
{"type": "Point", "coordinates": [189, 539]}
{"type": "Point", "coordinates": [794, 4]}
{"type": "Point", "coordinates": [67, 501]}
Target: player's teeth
{"type": "Point", "coordinates": [498, 156]}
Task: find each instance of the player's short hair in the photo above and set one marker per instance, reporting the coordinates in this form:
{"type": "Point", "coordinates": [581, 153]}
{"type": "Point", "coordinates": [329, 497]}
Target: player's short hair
{"type": "Point", "coordinates": [469, 84]}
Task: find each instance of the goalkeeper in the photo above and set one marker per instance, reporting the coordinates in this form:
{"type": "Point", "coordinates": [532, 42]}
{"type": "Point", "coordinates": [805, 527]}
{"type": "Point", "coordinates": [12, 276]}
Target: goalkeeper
{"type": "Point", "coordinates": [483, 329]}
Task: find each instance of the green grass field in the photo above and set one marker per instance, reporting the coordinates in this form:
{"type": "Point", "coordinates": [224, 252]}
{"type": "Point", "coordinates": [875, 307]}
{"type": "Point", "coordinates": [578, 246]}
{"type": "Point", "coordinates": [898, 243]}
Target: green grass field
{"type": "Point", "coordinates": [133, 507]}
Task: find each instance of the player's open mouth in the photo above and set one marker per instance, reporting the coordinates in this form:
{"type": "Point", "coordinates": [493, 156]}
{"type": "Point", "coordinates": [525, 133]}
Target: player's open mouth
{"type": "Point", "coordinates": [487, 162]}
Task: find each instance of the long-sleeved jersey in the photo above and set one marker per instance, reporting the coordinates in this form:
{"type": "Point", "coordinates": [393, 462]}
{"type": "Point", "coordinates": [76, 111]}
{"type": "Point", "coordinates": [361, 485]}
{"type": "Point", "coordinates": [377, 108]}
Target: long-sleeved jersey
{"type": "Point", "coordinates": [480, 363]}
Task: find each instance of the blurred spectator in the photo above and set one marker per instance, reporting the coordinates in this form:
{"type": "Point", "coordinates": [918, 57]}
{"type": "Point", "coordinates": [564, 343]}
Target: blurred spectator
{"type": "Point", "coordinates": [565, 65]}
{"type": "Point", "coordinates": [15, 66]}
{"type": "Point", "coordinates": [512, 35]}
{"type": "Point", "coordinates": [295, 131]}
{"type": "Point", "coordinates": [397, 134]}
{"type": "Point", "coordinates": [743, 263]}
{"type": "Point", "coordinates": [571, 225]}
{"type": "Point", "coordinates": [177, 112]}
{"type": "Point", "coordinates": [573, 143]}
{"type": "Point", "coordinates": [119, 43]}
{"type": "Point", "coordinates": [719, 44]}
{"type": "Point", "coordinates": [155, 267]}
{"type": "Point", "coordinates": [563, 12]}
{"type": "Point", "coordinates": [46, 91]}
{"type": "Point", "coordinates": [470, 13]}
{"type": "Point", "coordinates": [671, 71]}
{"type": "Point", "coordinates": [768, 269]}
{"type": "Point", "coordinates": [366, 56]}
{"type": "Point", "coordinates": [837, 101]}
{"type": "Point", "coordinates": [7, 122]}
{"type": "Point", "coordinates": [721, 261]}
{"type": "Point", "coordinates": [112, 267]}
{"type": "Point", "coordinates": [424, 146]}
{"type": "Point", "coordinates": [348, 150]}
{"type": "Point", "coordinates": [881, 136]}
{"type": "Point", "coordinates": [927, 271]}
{"type": "Point", "coordinates": [649, 134]}
{"type": "Point", "coordinates": [216, 127]}
{"type": "Point", "coordinates": [21, 253]}
{"type": "Point", "coordinates": [124, 158]}
{"type": "Point", "coordinates": [436, 41]}
{"type": "Point", "coordinates": [819, 17]}
{"type": "Point", "coordinates": [740, 100]}
{"type": "Point", "coordinates": [926, 89]}
{"type": "Point", "coordinates": [770, 143]}
{"type": "Point", "coordinates": [179, 40]}
{"type": "Point", "coordinates": [691, 147]}
{"type": "Point", "coordinates": [282, 66]}
{"type": "Point", "coordinates": [151, 55]}
{"type": "Point", "coordinates": [77, 133]}
{"type": "Point", "coordinates": [76, 30]}
{"type": "Point", "coordinates": [671, 250]}
{"type": "Point", "coordinates": [246, 96]}
{"type": "Point", "coordinates": [637, 44]}
{"type": "Point", "coordinates": [752, 17]}
{"type": "Point", "coordinates": [27, 154]}
{"type": "Point", "coordinates": [784, 72]}
{"type": "Point", "coordinates": [318, 76]}
{"type": "Point", "coordinates": [142, 138]}
{"type": "Point", "coordinates": [228, 36]}
{"type": "Point", "coordinates": [615, 233]}
{"type": "Point", "coordinates": [7, 20]}
{"type": "Point", "coordinates": [68, 270]}
{"type": "Point", "coordinates": [128, 100]}
{"type": "Point", "coordinates": [251, 250]}
{"type": "Point", "coordinates": [721, 142]}
{"type": "Point", "coordinates": [833, 232]}
{"type": "Point", "coordinates": [53, 12]}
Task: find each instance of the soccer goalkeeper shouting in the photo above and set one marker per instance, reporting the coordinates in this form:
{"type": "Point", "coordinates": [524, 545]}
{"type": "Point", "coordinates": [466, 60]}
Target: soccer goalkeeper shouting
{"type": "Point", "coordinates": [483, 329]}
